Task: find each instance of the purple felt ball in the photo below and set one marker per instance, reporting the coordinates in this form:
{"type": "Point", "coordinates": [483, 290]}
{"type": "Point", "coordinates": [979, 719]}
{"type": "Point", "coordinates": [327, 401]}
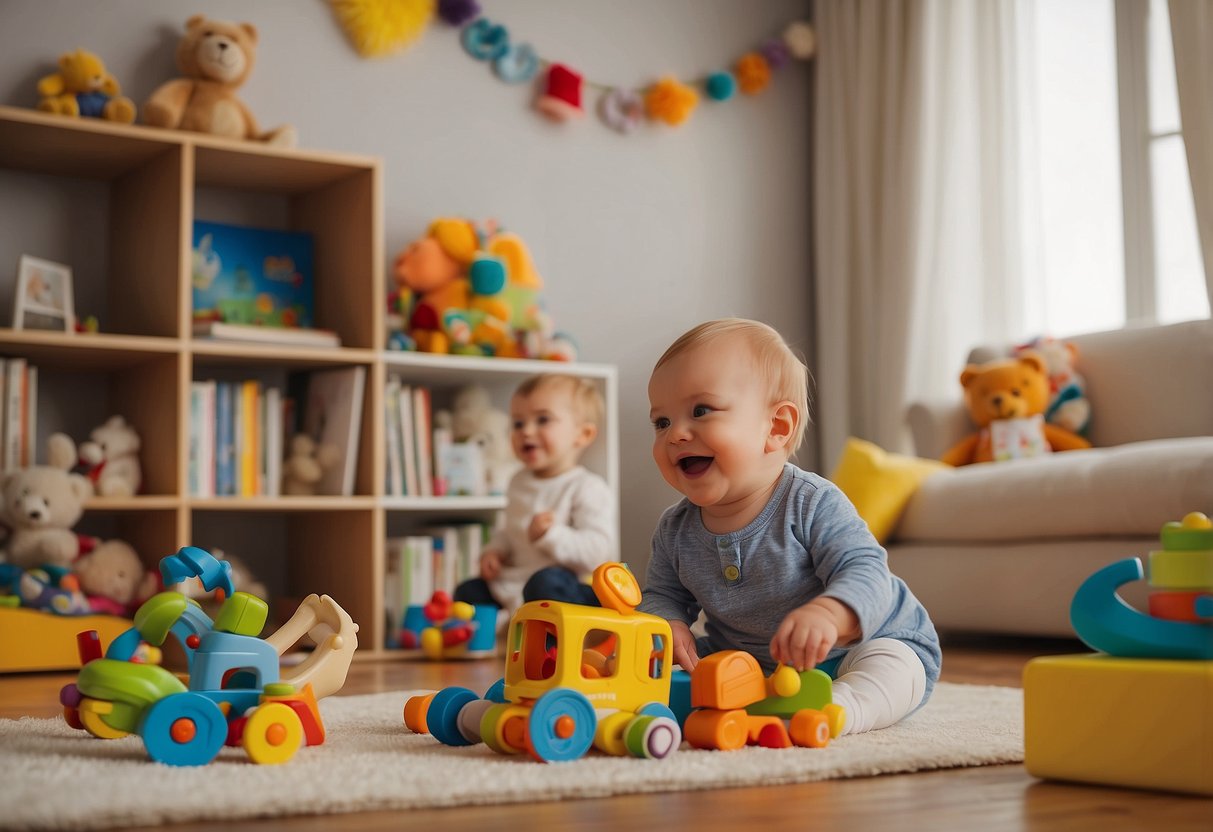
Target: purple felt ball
{"type": "Point", "coordinates": [776, 52]}
{"type": "Point", "coordinates": [458, 12]}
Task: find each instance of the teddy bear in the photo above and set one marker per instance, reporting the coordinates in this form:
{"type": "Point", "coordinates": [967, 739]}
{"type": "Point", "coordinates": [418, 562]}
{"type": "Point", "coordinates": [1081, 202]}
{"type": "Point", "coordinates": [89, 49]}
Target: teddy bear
{"type": "Point", "coordinates": [473, 419]}
{"type": "Point", "coordinates": [113, 579]}
{"type": "Point", "coordinates": [41, 505]}
{"type": "Point", "coordinates": [1068, 403]}
{"type": "Point", "coordinates": [109, 459]}
{"type": "Point", "coordinates": [305, 464]}
{"type": "Point", "coordinates": [216, 58]}
{"type": "Point", "coordinates": [83, 87]}
{"type": "Point", "coordinates": [1006, 398]}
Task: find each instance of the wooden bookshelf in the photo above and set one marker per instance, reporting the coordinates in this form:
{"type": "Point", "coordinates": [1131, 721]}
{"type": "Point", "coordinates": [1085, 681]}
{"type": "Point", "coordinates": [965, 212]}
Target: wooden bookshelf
{"type": "Point", "coordinates": [145, 184]}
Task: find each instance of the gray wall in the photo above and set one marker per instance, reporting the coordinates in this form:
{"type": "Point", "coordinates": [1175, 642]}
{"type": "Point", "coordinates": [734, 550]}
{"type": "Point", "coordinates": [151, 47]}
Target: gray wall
{"type": "Point", "coordinates": [638, 238]}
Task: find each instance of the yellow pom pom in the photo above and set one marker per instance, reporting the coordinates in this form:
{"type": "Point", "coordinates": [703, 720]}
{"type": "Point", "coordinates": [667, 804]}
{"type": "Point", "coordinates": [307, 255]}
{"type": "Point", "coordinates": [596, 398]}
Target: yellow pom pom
{"type": "Point", "coordinates": [463, 611]}
{"type": "Point", "coordinates": [784, 681]}
{"type": "Point", "coordinates": [431, 643]}
{"type": "Point", "coordinates": [381, 27]}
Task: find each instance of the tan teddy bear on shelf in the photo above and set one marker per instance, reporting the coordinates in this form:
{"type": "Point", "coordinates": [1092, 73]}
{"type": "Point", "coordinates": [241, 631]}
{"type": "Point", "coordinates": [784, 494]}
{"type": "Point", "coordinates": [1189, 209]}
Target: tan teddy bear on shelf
{"type": "Point", "coordinates": [305, 464]}
{"type": "Point", "coordinates": [216, 59]}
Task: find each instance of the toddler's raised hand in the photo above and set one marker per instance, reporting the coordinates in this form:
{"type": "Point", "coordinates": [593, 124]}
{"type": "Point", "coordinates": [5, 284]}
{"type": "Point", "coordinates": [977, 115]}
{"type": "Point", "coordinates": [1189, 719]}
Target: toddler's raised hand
{"type": "Point", "coordinates": [540, 524]}
{"type": "Point", "coordinates": [685, 653]}
{"type": "Point", "coordinates": [490, 564]}
{"type": "Point", "coordinates": [805, 636]}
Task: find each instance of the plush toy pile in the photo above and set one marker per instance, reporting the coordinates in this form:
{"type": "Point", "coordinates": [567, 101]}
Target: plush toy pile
{"type": "Point", "coordinates": [472, 291]}
{"type": "Point", "coordinates": [1006, 399]}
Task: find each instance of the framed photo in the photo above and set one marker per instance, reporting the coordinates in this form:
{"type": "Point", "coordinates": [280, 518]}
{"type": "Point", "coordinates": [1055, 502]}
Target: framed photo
{"type": "Point", "coordinates": [44, 296]}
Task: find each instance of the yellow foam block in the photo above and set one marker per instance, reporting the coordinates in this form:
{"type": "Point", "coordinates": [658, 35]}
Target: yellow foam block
{"type": "Point", "coordinates": [1101, 719]}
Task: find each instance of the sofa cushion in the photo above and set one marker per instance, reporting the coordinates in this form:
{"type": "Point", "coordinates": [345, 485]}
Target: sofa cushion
{"type": "Point", "coordinates": [1126, 490]}
{"type": "Point", "coordinates": [879, 484]}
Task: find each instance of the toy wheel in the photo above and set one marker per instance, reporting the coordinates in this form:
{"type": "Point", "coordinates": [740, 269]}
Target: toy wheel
{"type": "Point", "coordinates": [608, 736]}
{"type": "Point", "coordinates": [184, 729]}
{"type": "Point", "coordinates": [272, 734]}
{"type": "Point", "coordinates": [723, 730]}
{"type": "Point", "coordinates": [837, 716]}
{"type": "Point", "coordinates": [652, 737]}
{"type": "Point", "coordinates": [443, 715]}
{"type": "Point", "coordinates": [415, 711]}
{"type": "Point", "coordinates": [91, 713]}
{"type": "Point", "coordinates": [810, 728]}
{"type": "Point", "coordinates": [503, 728]}
{"type": "Point", "coordinates": [72, 717]}
{"type": "Point", "coordinates": [470, 718]}
{"type": "Point", "coordinates": [561, 726]}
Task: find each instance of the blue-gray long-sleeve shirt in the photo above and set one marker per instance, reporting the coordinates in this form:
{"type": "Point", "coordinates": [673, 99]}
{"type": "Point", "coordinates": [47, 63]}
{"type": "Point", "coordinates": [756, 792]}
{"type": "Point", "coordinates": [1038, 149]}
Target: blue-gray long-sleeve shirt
{"type": "Point", "coordinates": [807, 542]}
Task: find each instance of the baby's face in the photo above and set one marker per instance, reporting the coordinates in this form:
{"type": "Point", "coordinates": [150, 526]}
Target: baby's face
{"type": "Point", "coordinates": [711, 420]}
{"type": "Point", "coordinates": [547, 432]}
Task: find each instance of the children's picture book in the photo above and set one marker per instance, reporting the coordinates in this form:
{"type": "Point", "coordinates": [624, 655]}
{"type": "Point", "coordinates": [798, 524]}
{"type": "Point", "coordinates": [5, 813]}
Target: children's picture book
{"type": "Point", "coordinates": [332, 415]}
{"type": "Point", "coordinates": [252, 276]}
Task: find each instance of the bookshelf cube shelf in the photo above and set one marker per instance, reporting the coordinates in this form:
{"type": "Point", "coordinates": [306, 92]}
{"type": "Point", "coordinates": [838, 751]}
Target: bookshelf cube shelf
{"type": "Point", "coordinates": [117, 204]}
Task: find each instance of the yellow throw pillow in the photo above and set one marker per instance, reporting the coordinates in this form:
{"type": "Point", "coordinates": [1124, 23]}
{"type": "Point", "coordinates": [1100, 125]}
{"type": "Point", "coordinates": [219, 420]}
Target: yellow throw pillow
{"type": "Point", "coordinates": [880, 483]}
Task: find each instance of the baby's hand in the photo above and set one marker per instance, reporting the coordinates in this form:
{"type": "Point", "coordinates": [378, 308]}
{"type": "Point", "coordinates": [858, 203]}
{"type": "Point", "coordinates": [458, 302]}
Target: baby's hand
{"type": "Point", "coordinates": [685, 653]}
{"type": "Point", "coordinates": [540, 524]}
{"type": "Point", "coordinates": [490, 564]}
{"type": "Point", "coordinates": [805, 636]}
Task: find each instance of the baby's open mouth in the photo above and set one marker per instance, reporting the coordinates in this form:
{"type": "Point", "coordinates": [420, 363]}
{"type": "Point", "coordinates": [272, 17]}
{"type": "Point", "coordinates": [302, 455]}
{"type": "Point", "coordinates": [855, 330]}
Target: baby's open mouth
{"type": "Point", "coordinates": [693, 466]}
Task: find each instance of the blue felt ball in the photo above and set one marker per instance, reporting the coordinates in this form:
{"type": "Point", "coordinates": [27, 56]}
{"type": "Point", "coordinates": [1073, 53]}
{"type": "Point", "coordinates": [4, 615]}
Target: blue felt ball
{"type": "Point", "coordinates": [721, 86]}
{"type": "Point", "coordinates": [487, 275]}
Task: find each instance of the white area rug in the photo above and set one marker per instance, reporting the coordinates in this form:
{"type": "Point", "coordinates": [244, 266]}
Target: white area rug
{"type": "Point", "coordinates": [52, 777]}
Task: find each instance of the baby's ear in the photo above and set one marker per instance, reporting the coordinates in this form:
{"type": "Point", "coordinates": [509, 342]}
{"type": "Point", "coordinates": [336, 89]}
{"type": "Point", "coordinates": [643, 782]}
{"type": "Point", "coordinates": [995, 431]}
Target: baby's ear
{"type": "Point", "coordinates": [785, 417]}
{"type": "Point", "coordinates": [587, 434]}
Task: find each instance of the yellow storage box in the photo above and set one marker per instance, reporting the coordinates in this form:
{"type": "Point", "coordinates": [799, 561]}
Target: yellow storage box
{"type": "Point", "coordinates": [1146, 723]}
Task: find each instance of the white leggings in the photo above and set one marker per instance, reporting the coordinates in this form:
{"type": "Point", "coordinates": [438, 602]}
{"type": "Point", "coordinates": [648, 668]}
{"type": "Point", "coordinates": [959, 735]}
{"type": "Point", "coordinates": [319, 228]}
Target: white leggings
{"type": "Point", "coordinates": [879, 682]}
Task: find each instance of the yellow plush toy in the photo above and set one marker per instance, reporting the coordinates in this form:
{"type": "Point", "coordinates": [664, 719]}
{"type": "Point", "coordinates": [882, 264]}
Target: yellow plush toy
{"type": "Point", "coordinates": [1007, 399]}
{"type": "Point", "coordinates": [216, 58]}
{"type": "Point", "coordinates": [83, 87]}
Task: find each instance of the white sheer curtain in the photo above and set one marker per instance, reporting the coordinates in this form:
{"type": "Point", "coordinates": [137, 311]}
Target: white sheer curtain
{"type": "Point", "coordinates": [917, 217]}
{"type": "Point", "coordinates": [1192, 40]}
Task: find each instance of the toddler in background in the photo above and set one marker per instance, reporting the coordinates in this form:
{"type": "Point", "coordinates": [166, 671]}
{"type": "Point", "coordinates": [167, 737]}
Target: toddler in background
{"type": "Point", "coordinates": [559, 517]}
{"type": "Point", "coordinates": [776, 557]}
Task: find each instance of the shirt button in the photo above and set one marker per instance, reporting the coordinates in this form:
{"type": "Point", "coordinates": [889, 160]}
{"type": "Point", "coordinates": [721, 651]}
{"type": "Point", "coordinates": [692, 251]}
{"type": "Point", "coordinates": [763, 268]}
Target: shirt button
{"type": "Point", "coordinates": [731, 572]}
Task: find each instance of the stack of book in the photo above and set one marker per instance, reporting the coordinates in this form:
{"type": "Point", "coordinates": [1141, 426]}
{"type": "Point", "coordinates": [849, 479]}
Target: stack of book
{"type": "Point", "coordinates": [18, 413]}
{"type": "Point", "coordinates": [418, 565]}
{"type": "Point", "coordinates": [236, 438]}
{"type": "Point", "coordinates": [412, 440]}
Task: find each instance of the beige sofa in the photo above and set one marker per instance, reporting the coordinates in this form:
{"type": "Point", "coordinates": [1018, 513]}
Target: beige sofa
{"type": "Point", "coordinates": [1001, 547]}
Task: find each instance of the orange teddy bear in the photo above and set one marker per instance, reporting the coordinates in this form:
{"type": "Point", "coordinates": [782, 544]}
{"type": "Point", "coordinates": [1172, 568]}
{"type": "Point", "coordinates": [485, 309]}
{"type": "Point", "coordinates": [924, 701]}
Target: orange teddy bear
{"type": "Point", "coordinates": [1007, 399]}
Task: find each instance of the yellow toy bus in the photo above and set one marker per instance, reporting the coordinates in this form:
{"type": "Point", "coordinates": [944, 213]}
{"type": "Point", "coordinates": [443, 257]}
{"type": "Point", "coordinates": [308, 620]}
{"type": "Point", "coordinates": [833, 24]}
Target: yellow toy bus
{"type": "Point", "coordinates": [575, 677]}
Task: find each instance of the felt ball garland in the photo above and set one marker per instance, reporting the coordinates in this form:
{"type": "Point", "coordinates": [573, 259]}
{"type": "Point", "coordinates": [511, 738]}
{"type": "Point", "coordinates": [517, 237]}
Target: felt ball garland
{"type": "Point", "coordinates": [667, 101]}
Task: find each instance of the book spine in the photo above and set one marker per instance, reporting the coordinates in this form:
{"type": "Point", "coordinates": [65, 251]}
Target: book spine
{"type": "Point", "coordinates": [273, 442]}
{"type": "Point", "coordinates": [391, 424]}
{"type": "Point", "coordinates": [30, 454]}
{"type": "Point", "coordinates": [13, 410]}
{"type": "Point", "coordinates": [250, 441]}
{"type": "Point", "coordinates": [421, 424]}
{"type": "Point", "coordinates": [193, 475]}
{"type": "Point", "coordinates": [408, 441]}
{"type": "Point", "coordinates": [225, 440]}
{"type": "Point", "coordinates": [206, 444]}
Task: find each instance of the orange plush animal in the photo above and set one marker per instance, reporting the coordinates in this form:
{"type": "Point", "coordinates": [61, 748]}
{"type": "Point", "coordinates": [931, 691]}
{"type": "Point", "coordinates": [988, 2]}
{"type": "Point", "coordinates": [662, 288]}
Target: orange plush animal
{"type": "Point", "coordinates": [1007, 399]}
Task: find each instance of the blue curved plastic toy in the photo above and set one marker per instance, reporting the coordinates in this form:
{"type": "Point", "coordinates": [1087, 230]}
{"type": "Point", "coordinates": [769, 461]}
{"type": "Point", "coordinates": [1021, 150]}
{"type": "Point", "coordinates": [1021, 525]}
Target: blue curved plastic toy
{"type": "Point", "coordinates": [1105, 622]}
{"type": "Point", "coordinates": [192, 562]}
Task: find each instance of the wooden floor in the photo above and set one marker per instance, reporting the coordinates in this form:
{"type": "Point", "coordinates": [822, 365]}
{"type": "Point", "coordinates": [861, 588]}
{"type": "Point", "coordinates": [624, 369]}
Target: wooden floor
{"type": "Point", "coordinates": [992, 797]}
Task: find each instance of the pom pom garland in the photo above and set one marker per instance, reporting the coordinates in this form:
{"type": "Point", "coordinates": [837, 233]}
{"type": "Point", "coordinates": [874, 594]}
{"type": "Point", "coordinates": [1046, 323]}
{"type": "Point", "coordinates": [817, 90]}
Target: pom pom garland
{"type": "Point", "coordinates": [668, 100]}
